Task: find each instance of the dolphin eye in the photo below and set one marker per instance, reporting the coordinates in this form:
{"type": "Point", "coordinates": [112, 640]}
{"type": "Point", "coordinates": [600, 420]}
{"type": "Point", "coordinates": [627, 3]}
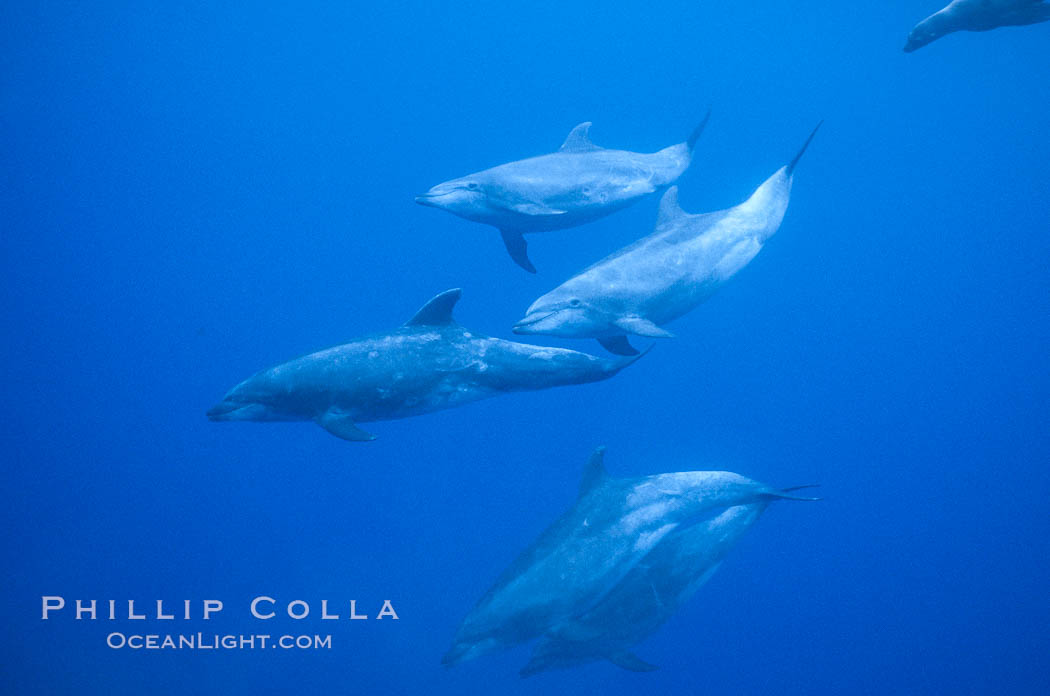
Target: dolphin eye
{"type": "Point", "coordinates": [473, 186]}
{"type": "Point", "coordinates": [574, 302]}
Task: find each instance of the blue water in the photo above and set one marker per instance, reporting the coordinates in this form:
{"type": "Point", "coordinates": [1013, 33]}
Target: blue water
{"type": "Point", "coordinates": [192, 192]}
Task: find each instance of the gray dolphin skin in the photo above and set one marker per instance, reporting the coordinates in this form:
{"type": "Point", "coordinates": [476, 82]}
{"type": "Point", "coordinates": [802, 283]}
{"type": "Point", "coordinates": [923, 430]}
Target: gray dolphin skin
{"type": "Point", "coordinates": [579, 183]}
{"type": "Point", "coordinates": [428, 364]}
{"type": "Point", "coordinates": [657, 279]}
{"type": "Point", "coordinates": [976, 15]}
{"type": "Point", "coordinates": [647, 596]}
{"type": "Point", "coordinates": [591, 548]}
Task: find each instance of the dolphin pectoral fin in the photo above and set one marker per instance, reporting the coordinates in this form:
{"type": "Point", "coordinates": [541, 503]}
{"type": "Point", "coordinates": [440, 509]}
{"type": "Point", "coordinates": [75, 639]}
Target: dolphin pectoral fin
{"type": "Point", "coordinates": [642, 327]}
{"type": "Point", "coordinates": [618, 345]}
{"type": "Point", "coordinates": [615, 365]}
{"type": "Point", "coordinates": [631, 662]}
{"type": "Point", "coordinates": [342, 426]}
{"type": "Point", "coordinates": [517, 248]}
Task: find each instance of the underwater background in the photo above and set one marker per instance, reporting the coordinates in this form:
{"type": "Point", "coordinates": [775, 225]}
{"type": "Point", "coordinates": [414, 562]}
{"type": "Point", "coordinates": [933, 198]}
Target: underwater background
{"type": "Point", "coordinates": [193, 193]}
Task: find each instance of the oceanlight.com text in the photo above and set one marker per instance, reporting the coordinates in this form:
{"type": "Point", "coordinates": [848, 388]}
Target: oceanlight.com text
{"type": "Point", "coordinates": [215, 641]}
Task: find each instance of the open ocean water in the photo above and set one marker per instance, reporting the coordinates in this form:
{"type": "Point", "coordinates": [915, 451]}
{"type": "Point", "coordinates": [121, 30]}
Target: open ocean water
{"type": "Point", "coordinates": [192, 192]}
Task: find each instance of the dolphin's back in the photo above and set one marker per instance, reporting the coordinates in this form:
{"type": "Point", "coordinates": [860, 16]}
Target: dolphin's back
{"type": "Point", "coordinates": [679, 260]}
{"type": "Point", "coordinates": [379, 376]}
{"type": "Point", "coordinates": [558, 548]}
{"type": "Point", "coordinates": [663, 238]}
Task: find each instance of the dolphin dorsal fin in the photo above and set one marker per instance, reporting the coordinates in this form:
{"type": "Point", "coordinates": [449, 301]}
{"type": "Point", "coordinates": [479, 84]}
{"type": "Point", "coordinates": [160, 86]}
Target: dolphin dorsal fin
{"type": "Point", "coordinates": [578, 140]}
{"type": "Point", "coordinates": [438, 311]}
{"type": "Point", "coordinates": [594, 473]}
{"type": "Point", "coordinates": [669, 208]}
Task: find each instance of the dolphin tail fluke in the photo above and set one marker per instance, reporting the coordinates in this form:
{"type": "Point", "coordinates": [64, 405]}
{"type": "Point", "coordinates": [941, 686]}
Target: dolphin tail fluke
{"type": "Point", "coordinates": [517, 248]}
{"type": "Point", "coordinates": [785, 493]}
{"type": "Point", "coordinates": [794, 162]}
{"type": "Point", "coordinates": [631, 662]}
{"type": "Point", "coordinates": [698, 131]}
{"type": "Point", "coordinates": [618, 345]}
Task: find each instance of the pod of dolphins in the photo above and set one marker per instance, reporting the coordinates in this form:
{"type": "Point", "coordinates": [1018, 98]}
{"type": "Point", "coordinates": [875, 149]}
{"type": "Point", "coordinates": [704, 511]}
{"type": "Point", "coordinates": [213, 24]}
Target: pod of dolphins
{"type": "Point", "coordinates": [612, 569]}
{"type": "Point", "coordinates": [432, 363]}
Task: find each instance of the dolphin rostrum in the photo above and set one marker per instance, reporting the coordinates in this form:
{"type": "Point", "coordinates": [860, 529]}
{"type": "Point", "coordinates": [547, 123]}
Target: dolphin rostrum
{"type": "Point", "coordinates": [647, 596]}
{"type": "Point", "coordinates": [976, 15]}
{"type": "Point", "coordinates": [589, 549]}
{"type": "Point", "coordinates": [579, 183]}
{"type": "Point", "coordinates": [658, 278]}
{"type": "Point", "coordinates": [428, 364]}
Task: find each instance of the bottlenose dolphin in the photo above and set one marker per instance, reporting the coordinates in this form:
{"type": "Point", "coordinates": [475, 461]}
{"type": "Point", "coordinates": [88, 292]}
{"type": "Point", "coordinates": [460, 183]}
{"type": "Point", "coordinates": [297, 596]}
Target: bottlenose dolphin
{"type": "Point", "coordinates": [579, 183]}
{"type": "Point", "coordinates": [428, 364]}
{"type": "Point", "coordinates": [662, 276]}
{"type": "Point", "coordinates": [588, 551]}
{"type": "Point", "coordinates": [976, 15]}
{"type": "Point", "coordinates": [647, 596]}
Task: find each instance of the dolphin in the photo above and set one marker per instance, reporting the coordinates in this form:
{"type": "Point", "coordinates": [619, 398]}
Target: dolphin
{"type": "Point", "coordinates": [579, 183]}
{"type": "Point", "coordinates": [976, 15]}
{"type": "Point", "coordinates": [660, 277]}
{"type": "Point", "coordinates": [647, 596]}
{"type": "Point", "coordinates": [428, 364]}
{"type": "Point", "coordinates": [589, 549]}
